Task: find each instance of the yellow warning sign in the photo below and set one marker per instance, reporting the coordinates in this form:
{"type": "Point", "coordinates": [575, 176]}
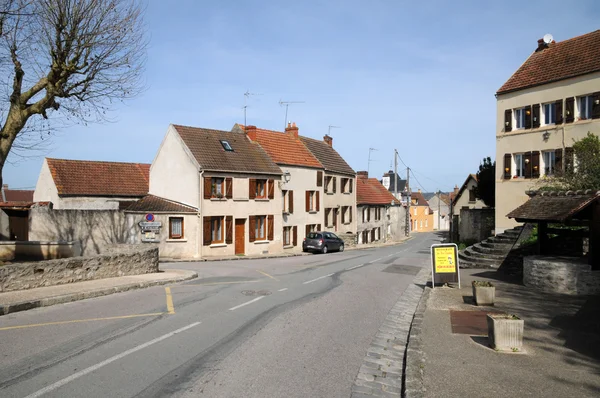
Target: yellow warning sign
{"type": "Point", "coordinates": [445, 259]}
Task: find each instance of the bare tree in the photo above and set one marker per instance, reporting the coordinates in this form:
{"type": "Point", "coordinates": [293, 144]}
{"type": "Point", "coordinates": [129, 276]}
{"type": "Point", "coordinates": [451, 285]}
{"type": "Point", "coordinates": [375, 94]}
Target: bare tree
{"type": "Point", "coordinates": [64, 62]}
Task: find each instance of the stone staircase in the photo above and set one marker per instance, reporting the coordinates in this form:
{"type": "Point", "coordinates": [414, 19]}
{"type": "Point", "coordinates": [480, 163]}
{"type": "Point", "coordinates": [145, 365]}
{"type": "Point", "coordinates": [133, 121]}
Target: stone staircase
{"type": "Point", "coordinates": [492, 252]}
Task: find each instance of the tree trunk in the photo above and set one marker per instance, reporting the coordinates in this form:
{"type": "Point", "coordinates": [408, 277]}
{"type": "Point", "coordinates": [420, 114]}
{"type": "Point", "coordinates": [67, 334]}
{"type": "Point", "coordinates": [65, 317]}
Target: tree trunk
{"type": "Point", "coordinates": [15, 121]}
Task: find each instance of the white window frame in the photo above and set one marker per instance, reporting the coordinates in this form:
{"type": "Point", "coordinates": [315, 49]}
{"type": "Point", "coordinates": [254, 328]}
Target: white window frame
{"type": "Point", "coordinates": [549, 110]}
{"type": "Point", "coordinates": [552, 161]}
{"type": "Point", "coordinates": [519, 118]}
{"type": "Point", "coordinates": [519, 165]}
{"type": "Point", "coordinates": [587, 113]}
{"type": "Point", "coordinates": [173, 221]}
{"type": "Point", "coordinates": [287, 236]}
{"type": "Point", "coordinates": [260, 228]}
{"type": "Point", "coordinates": [216, 230]}
{"type": "Point", "coordinates": [311, 201]}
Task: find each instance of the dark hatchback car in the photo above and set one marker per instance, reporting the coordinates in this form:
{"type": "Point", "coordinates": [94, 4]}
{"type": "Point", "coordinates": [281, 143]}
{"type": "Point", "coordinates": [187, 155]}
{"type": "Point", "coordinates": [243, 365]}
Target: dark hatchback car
{"type": "Point", "coordinates": [322, 242]}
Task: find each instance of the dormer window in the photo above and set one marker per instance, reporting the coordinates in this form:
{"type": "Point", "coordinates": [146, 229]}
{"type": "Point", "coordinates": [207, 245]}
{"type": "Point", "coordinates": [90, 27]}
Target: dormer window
{"type": "Point", "coordinates": [226, 146]}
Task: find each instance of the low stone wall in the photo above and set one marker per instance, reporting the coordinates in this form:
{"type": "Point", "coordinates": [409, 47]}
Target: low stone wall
{"type": "Point", "coordinates": [34, 251]}
{"type": "Point", "coordinates": [560, 275]}
{"type": "Point", "coordinates": [349, 239]}
{"type": "Point", "coordinates": [119, 261]}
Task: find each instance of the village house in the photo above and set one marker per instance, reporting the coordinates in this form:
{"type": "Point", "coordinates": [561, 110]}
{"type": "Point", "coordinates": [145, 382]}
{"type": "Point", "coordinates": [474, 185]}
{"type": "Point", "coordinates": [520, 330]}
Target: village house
{"type": "Point", "coordinates": [440, 204]}
{"type": "Point", "coordinates": [390, 180]}
{"type": "Point", "coordinates": [420, 214]}
{"type": "Point", "coordinates": [550, 101]}
{"type": "Point", "coordinates": [14, 213]}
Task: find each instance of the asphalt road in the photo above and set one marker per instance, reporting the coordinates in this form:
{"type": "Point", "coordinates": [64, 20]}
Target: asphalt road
{"type": "Point", "coordinates": [290, 327]}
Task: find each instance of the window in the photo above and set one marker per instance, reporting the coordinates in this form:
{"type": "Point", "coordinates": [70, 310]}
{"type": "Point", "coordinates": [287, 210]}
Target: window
{"type": "Point", "coordinates": [377, 213]}
{"type": "Point", "coordinates": [365, 214]}
{"type": "Point", "coordinates": [226, 146]}
{"type": "Point", "coordinates": [346, 185]}
{"type": "Point", "coordinates": [346, 214]}
{"type": "Point", "coordinates": [311, 200]}
{"type": "Point", "coordinates": [549, 162]}
{"type": "Point", "coordinates": [550, 113]}
{"type": "Point", "coordinates": [585, 106]}
{"type": "Point", "coordinates": [328, 180]}
{"type": "Point", "coordinates": [519, 166]}
{"type": "Point", "coordinates": [520, 118]}
{"type": "Point", "coordinates": [217, 187]}
{"type": "Point", "coordinates": [421, 224]}
{"type": "Point", "coordinates": [472, 195]}
{"type": "Point", "coordinates": [415, 211]}
{"type": "Point", "coordinates": [216, 227]}
{"type": "Point", "coordinates": [285, 201]}
{"type": "Point", "coordinates": [427, 211]}
{"type": "Point", "coordinates": [426, 223]}
{"type": "Point", "coordinates": [176, 228]}
{"type": "Point", "coordinates": [261, 189]}
{"type": "Point", "coordinates": [260, 228]}
{"type": "Point", "coordinates": [287, 236]}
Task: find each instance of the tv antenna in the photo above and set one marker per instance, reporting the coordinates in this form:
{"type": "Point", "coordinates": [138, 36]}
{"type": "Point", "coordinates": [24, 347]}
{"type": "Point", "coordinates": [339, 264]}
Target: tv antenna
{"type": "Point", "coordinates": [369, 163]}
{"type": "Point", "coordinates": [247, 94]}
{"type": "Point", "coordinates": [548, 38]}
{"type": "Point", "coordinates": [287, 104]}
{"type": "Point", "coordinates": [332, 127]}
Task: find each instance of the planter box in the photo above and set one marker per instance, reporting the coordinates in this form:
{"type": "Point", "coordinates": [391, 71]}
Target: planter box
{"type": "Point", "coordinates": [484, 295]}
{"type": "Point", "coordinates": [505, 332]}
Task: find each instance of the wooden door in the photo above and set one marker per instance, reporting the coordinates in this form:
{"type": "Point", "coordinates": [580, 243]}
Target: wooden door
{"type": "Point", "coordinates": [240, 236]}
{"type": "Point", "coordinates": [18, 224]}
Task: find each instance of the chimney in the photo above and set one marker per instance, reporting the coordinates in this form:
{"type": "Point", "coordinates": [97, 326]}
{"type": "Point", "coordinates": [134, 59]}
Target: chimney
{"type": "Point", "coordinates": [419, 190]}
{"type": "Point", "coordinates": [251, 132]}
{"type": "Point", "coordinates": [362, 174]}
{"type": "Point", "coordinates": [541, 45]}
{"type": "Point", "coordinates": [4, 186]}
{"type": "Point", "coordinates": [328, 140]}
{"type": "Point", "coordinates": [455, 190]}
{"type": "Point", "coordinates": [292, 129]}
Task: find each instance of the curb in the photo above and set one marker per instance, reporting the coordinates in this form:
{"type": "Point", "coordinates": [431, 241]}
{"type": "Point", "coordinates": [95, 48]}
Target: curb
{"type": "Point", "coordinates": [67, 298]}
{"type": "Point", "coordinates": [415, 357]}
{"type": "Point", "coordinates": [383, 368]}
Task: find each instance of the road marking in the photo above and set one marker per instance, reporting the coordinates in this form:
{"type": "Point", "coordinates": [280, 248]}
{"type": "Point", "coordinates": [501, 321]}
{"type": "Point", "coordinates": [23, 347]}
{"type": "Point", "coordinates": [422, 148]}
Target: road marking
{"type": "Point", "coordinates": [170, 307]}
{"type": "Point", "coordinates": [321, 277]}
{"type": "Point", "coordinates": [374, 261]}
{"type": "Point", "coordinates": [81, 320]}
{"type": "Point", "coordinates": [246, 303]}
{"type": "Point", "coordinates": [265, 274]}
{"type": "Point", "coordinates": [83, 372]}
{"type": "Point", "coordinates": [283, 290]}
{"type": "Point", "coordinates": [355, 267]}
{"type": "Point", "coordinates": [215, 283]}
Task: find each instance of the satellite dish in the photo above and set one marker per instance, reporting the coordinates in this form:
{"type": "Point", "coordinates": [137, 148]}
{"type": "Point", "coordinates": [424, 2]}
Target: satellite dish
{"type": "Point", "coordinates": [548, 38]}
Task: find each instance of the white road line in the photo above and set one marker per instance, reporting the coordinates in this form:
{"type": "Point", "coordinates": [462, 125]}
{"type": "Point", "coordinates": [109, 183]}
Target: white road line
{"type": "Point", "coordinates": [246, 303]}
{"type": "Point", "coordinates": [374, 261]}
{"type": "Point", "coordinates": [355, 267]}
{"type": "Point", "coordinates": [321, 277]}
{"type": "Point", "coordinates": [283, 290]}
{"type": "Point", "coordinates": [83, 372]}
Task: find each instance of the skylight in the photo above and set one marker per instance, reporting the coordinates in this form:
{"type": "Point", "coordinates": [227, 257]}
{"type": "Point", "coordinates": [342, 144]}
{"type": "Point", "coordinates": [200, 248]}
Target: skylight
{"type": "Point", "coordinates": [226, 146]}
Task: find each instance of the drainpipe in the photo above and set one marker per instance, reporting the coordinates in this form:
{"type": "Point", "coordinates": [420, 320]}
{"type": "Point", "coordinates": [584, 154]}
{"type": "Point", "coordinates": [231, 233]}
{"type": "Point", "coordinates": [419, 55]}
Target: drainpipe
{"type": "Point", "coordinates": [199, 224]}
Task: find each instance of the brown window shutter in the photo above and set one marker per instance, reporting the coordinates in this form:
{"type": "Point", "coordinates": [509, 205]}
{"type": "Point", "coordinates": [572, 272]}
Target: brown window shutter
{"type": "Point", "coordinates": [229, 229]}
{"type": "Point", "coordinates": [368, 214]}
{"type": "Point", "coordinates": [596, 106]}
{"type": "Point", "coordinates": [325, 217]}
{"type": "Point", "coordinates": [307, 201]}
{"type": "Point", "coordinates": [559, 111]}
{"type": "Point", "coordinates": [229, 187]}
{"type": "Point", "coordinates": [295, 235]}
{"type": "Point", "coordinates": [334, 184]}
{"type": "Point", "coordinates": [558, 163]}
{"type": "Point", "coordinates": [271, 189]}
{"type": "Point", "coordinates": [570, 110]}
{"type": "Point", "coordinates": [207, 187]}
{"type": "Point", "coordinates": [569, 160]}
{"type": "Point", "coordinates": [350, 212]}
{"type": "Point", "coordinates": [535, 164]}
{"type": "Point", "coordinates": [318, 227]}
{"type": "Point", "coordinates": [343, 217]}
{"type": "Point", "coordinates": [291, 201]}
{"type": "Point", "coordinates": [318, 205]}
{"type": "Point", "coordinates": [252, 188]}
{"type": "Point", "coordinates": [270, 226]}
{"type": "Point", "coordinates": [507, 166]}
{"type": "Point", "coordinates": [508, 120]}
{"type": "Point", "coordinates": [527, 161]}
{"type": "Point", "coordinates": [350, 182]}
{"type": "Point", "coordinates": [207, 238]}
{"type": "Point", "coordinates": [535, 111]}
{"type": "Point", "coordinates": [528, 117]}
{"type": "Point", "coordinates": [306, 230]}
{"type": "Point", "coordinates": [252, 228]}
{"type": "Point", "coordinates": [319, 178]}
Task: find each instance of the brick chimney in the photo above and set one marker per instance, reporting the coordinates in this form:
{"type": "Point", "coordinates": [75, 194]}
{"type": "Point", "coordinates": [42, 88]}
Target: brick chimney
{"type": "Point", "coordinates": [292, 129]}
{"type": "Point", "coordinates": [541, 45]}
{"type": "Point", "coordinates": [419, 190]}
{"type": "Point", "coordinates": [456, 190]}
{"type": "Point", "coordinates": [362, 174]}
{"type": "Point", "coordinates": [251, 132]}
{"type": "Point", "coordinates": [328, 140]}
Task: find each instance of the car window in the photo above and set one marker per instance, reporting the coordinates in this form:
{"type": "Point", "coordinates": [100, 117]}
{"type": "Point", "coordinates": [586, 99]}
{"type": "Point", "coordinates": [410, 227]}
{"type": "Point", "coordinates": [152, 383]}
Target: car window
{"type": "Point", "coordinates": [327, 236]}
{"type": "Point", "coordinates": [333, 236]}
{"type": "Point", "coordinates": [313, 235]}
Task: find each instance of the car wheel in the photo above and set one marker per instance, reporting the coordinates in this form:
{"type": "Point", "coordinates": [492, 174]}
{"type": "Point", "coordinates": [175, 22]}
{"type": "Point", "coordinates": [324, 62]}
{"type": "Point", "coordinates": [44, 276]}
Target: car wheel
{"type": "Point", "coordinates": [341, 248]}
{"type": "Point", "coordinates": [324, 250]}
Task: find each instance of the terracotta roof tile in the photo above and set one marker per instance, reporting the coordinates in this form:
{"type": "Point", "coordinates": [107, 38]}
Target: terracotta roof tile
{"type": "Point", "coordinates": [18, 195]}
{"type": "Point", "coordinates": [573, 57]}
{"type": "Point", "coordinates": [329, 157]}
{"type": "Point", "coordinates": [369, 191]}
{"type": "Point", "coordinates": [205, 145]}
{"type": "Point", "coordinates": [420, 199]}
{"type": "Point", "coordinates": [94, 178]}
{"type": "Point", "coordinates": [151, 203]}
{"type": "Point", "coordinates": [553, 206]}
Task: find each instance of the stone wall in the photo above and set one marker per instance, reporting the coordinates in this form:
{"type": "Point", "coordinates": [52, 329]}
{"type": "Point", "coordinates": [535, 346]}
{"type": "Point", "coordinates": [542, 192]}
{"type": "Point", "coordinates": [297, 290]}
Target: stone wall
{"type": "Point", "coordinates": [560, 275]}
{"type": "Point", "coordinates": [349, 239]}
{"type": "Point", "coordinates": [31, 250]}
{"type": "Point", "coordinates": [119, 261]}
{"type": "Point", "coordinates": [475, 224]}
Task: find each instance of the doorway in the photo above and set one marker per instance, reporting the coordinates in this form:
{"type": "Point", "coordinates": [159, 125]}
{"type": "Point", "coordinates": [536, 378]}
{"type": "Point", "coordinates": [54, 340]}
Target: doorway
{"type": "Point", "coordinates": [240, 236]}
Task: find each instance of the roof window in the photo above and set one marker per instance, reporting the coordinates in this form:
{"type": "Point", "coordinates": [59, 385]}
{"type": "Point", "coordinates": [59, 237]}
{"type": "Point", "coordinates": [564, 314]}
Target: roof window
{"type": "Point", "coordinates": [226, 146]}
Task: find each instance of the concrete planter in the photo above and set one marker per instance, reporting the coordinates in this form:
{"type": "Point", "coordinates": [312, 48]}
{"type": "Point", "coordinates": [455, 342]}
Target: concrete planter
{"type": "Point", "coordinates": [482, 294]}
{"type": "Point", "coordinates": [505, 332]}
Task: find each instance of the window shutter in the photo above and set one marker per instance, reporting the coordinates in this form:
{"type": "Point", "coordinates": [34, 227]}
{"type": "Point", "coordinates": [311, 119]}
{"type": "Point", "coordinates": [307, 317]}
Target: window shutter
{"type": "Point", "coordinates": [229, 187]}
{"type": "Point", "coordinates": [350, 182]}
{"type": "Point", "coordinates": [307, 201]}
{"type": "Point", "coordinates": [271, 189]}
{"type": "Point", "coordinates": [350, 212]}
{"type": "Point", "coordinates": [252, 189]}
{"type": "Point", "coordinates": [570, 110]}
{"type": "Point", "coordinates": [270, 226]}
{"type": "Point", "coordinates": [535, 164]}
{"type": "Point", "coordinates": [527, 161]}
{"type": "Point", "coordinates": [569, 160]}
{"type": "Point", "coordinates": [334, 184]}
{"type": "Point", "coordinates": [229, 229]}
{"type": "Point", "coordinates": [558, 163]}
{"type": "Point", "coordinates": [207, 187]}
{"type": "Point", "coordinates": [307, 230]}
{"type": "Point", "coordinates": [507, 166]}
{"type": "Point", "coordinates": [252, 229]}
{"type": "Point", "coordinates": [295, 235]}
{"type": "Point", "coordinates": [596, 106]}
{"type": "Point", "coordinates": [291, 201]}
{"type": "Point", "coordinates": [207, 238]}
{"type": "Point", "coordinates": [318, 227]}
{"type": "Point", "coordinates": [536, 115]}
{"type": "Point", "coordinates": [528, 117]}
{"type": "Point", "coordinates": [319, 178]}
{"type": "Point", "coordinates": [318, 205]}
{"type": "Point", "coordinates": [368, 214]}
{"type": "Point", "coordinates": [326, 216]}
{"type": "Point", "coordinates": [343, 214]}
{"type": "Point", "coordinates": [508, 120]}
{"type": "Point", "coordinates": [559, 111]}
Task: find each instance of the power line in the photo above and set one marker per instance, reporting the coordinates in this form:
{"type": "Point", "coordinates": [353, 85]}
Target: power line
{"type": "Point", "coordinates": [432, 180]}
{"type": "Point", "coordinates": [418, 182]}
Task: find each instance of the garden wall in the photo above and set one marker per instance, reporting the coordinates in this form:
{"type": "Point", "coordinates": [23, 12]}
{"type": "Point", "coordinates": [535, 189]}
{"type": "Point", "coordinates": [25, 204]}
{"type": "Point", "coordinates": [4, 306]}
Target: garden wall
{"type": "Point", "coordinates": [567, 275]}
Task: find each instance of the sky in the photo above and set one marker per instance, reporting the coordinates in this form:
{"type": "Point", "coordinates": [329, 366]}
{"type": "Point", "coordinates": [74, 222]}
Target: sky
{"type": "Point", "coordinates": [415, 76]}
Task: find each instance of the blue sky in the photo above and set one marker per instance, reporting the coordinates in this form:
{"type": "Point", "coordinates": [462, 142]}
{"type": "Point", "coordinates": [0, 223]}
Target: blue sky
{"type": "Point", "coordinates": [419, 77]}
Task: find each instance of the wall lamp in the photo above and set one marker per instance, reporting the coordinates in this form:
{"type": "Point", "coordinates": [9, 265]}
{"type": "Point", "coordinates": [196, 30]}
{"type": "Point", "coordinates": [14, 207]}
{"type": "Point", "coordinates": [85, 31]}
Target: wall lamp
{"type": "Point", "coordinates": [287, 176]}
{"type": "Point", "coordinates": [546, 135]}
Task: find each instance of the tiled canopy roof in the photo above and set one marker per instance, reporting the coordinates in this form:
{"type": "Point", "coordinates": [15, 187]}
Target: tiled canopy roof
{"type": "Point", "coordinates": [17, 195]}
{"type": "Point", "coordinates": [151, 203]}
{"type": "Point", "coordinates": [329, 157]}
{"type": "Point", "coordinates": [369, 191]}
{"type": "Point", "coordinates": [554, 206]}
{"type": "Point", "coordinates": [420, 199]}
{"type": "Point", "coordinates": [205, 145]}
{"type": "Point", "coordinates": [573, 57]}
{"type": "Point", "coordinates": [284, 148]}
{"type": "Point", "coordinates": [94, 178]}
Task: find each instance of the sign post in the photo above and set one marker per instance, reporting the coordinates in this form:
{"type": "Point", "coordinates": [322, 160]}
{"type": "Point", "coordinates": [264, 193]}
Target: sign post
{"type": "Point", "coordinates": [150, 229]}
{"type": "Point", "coordinates": [444, 264]}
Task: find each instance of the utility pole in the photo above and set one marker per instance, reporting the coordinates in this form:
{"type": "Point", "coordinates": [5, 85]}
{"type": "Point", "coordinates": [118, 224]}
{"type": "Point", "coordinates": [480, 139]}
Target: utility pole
{"type": "Point", "coordinates": [407, 202]}
{"type": "Point", "coordinates": [396, 174]}
{"type": "Point", "coordinates": [439, 217]}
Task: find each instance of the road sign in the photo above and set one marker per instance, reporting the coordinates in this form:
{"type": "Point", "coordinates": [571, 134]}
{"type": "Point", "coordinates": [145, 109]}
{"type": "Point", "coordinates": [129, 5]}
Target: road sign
{"type": "Point", "coordinates": [444, 264]}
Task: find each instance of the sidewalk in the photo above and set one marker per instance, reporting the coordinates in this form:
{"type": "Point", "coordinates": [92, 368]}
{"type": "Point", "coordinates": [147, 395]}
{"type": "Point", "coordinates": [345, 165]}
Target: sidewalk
{"type": "Point", "coordinates": [22, 300]}
{"type": "Point", "coordinates": [561, 344]}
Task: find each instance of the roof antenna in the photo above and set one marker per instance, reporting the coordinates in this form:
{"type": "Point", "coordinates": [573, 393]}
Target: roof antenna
{"type": "Point", "coordinates": [287, 104]}
{"type": "Point", "coordinates": [246, 95]}
{"type": "Point", "coordinates": [369, 163]}
{"type": "Point", "coordinates": [332, 127]}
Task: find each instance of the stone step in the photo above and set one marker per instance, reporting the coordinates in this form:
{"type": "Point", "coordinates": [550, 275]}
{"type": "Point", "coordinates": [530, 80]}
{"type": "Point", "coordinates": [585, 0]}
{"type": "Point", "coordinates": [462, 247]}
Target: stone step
{"type": "Point", "coordinates": [501, 239]}
{"type": "Point", "coordinates": [479, 260]}
{"type": "Point", "coordinates": [491, 256]}
{"type": "Point", "coordinates": [464, 264]}
{"type": "Point", "coordinates": [496, 245]}
{"type": "Point", "coordinates": [493, 249]}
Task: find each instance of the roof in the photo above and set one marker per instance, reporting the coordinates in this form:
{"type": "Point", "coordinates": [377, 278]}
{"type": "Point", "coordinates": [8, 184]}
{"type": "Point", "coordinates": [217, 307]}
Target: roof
{"type": "Point", "coordinates": [329, 157]}
{"type": "Point", "coordinates": [559, 61]}
{"type": "Point", "coordinates": [151, 203]}
{"type": "Point", "coordinates": [369, 191]}
{"type": "Point", "coordinates": [420, 199]}
{"type": "Point", "coordinates": [284, 148]}
{"type": "Point", "coordinates": [17, 195]}
{"type": "Point", "coordinates": [463, 187]}
{"type": "Point", "coordinates": [205, 145]}
{"type": "Point", "coordinates": [94, 178]}
{"type": "Point", "coordinates": [554, 206]}
{"type": "Point", "coordinates": [401, 183]}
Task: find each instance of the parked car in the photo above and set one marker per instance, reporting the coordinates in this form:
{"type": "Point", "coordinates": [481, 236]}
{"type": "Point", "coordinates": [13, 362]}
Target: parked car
{"type": "Point", "coordinates": [322, 242]}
